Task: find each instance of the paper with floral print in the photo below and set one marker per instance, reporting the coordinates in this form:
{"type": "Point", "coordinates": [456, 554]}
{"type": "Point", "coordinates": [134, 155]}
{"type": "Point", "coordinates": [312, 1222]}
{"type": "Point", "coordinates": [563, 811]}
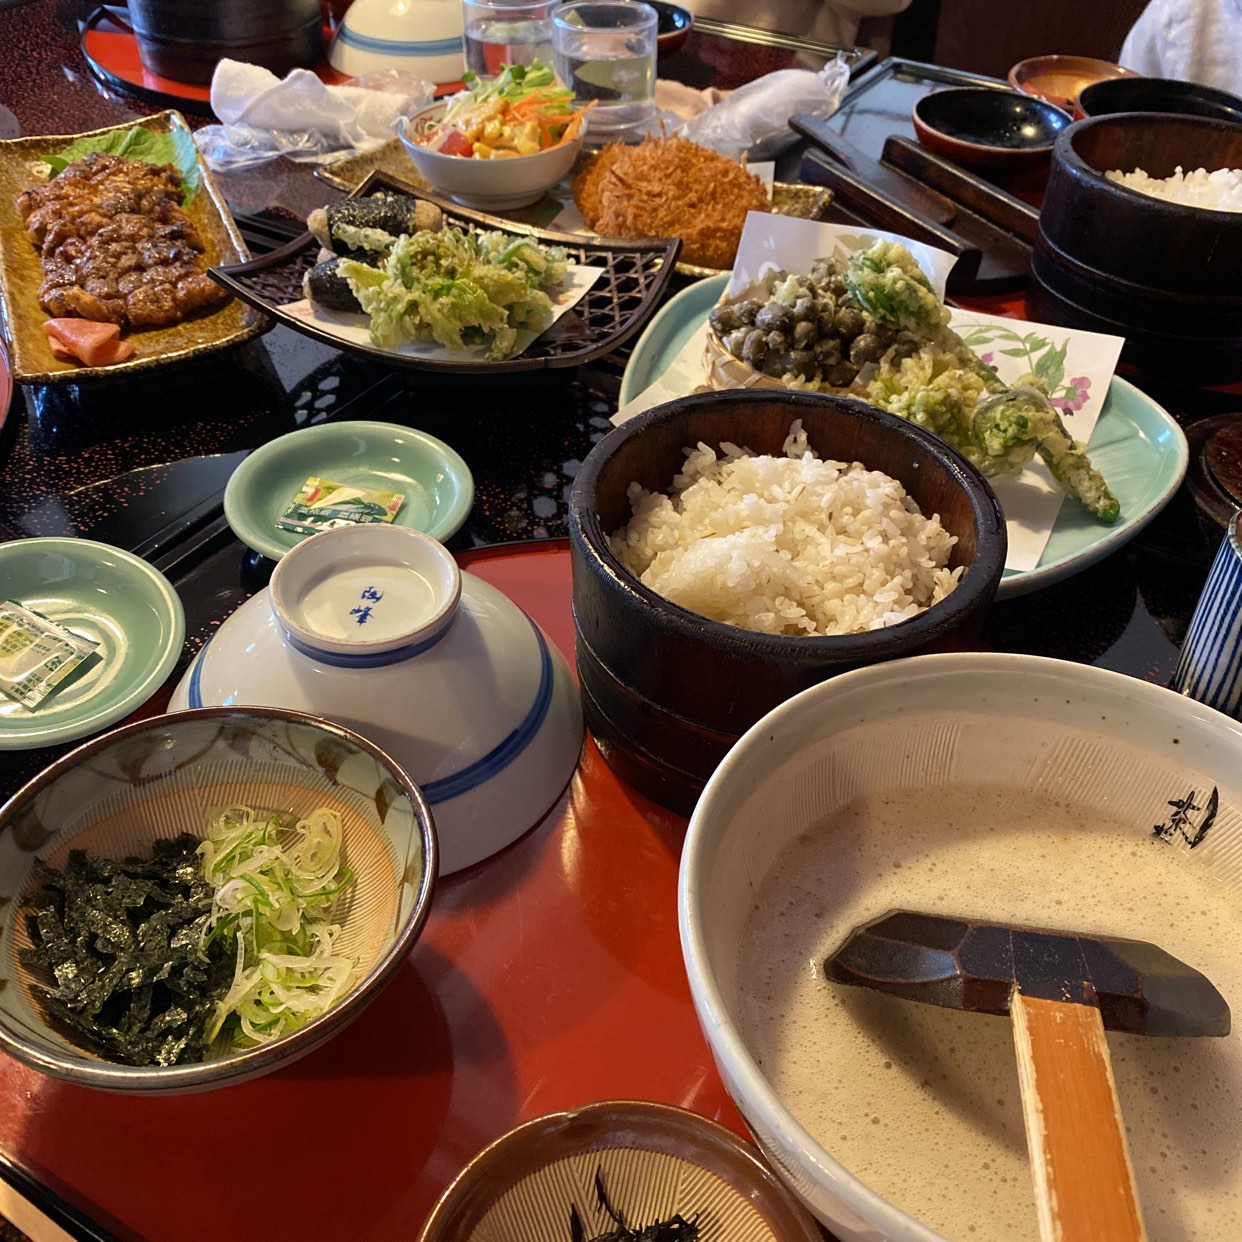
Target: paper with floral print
{"type": "Point", "coordinates": [1077, 367]}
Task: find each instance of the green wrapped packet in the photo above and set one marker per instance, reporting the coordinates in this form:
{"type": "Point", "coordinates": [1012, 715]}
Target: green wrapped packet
{"type": "Point", "coordinates": [322, 504]}
{"type": "Point", "coordinates": [36, 655]}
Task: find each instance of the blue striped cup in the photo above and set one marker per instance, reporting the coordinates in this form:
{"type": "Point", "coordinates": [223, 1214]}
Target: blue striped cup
{"type": "Point", "coordinates": [1210, 668]}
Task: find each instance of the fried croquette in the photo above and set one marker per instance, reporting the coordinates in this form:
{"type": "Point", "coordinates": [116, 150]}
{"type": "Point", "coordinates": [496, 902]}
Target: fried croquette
{"type": "Point", "coordinates": [670, 187]}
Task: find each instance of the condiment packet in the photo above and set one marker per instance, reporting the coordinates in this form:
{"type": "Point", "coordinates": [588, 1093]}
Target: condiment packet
{"type": "Point", "coordinates": [36, 655]}
{"type": "Point", "coordinates": [322, 504]}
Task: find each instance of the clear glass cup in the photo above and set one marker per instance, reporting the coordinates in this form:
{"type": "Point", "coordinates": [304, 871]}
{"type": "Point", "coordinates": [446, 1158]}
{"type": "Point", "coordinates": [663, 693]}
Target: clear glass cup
{"type": "Point", "coordinates": [605, 51]}
{"type": "Point", "coordinates": [506, 32]}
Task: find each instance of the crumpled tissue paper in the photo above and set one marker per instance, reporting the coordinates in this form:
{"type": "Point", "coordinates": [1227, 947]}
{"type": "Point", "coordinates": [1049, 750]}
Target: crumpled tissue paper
{"type": "Point", "coordinates": [754, 119]}
{"type": "Point", "coordinates": [300, 116]}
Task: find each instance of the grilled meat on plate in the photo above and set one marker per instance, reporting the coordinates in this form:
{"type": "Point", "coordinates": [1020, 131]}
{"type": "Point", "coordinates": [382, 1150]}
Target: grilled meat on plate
{"type": "Point", "coordinates": [116, 245]}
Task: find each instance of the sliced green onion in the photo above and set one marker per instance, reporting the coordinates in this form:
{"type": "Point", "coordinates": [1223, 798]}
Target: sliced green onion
{"type": "Point", "coordinates": [275, 901]}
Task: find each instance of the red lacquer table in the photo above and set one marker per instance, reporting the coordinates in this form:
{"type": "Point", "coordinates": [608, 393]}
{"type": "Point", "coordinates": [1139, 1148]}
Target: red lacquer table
{"type": "Point", "coordinates": [547, 976]}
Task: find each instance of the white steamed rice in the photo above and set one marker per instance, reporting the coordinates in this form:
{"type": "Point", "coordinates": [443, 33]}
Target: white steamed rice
{"type": "Point", "coordinates": [787, 545]}
{"type": "Point", "coordinates": [1218, 191]}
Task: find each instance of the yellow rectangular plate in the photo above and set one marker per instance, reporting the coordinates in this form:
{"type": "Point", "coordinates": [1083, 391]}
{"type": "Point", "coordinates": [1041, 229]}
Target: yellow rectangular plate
{"type": "Point", "coordinates": [21, 273]}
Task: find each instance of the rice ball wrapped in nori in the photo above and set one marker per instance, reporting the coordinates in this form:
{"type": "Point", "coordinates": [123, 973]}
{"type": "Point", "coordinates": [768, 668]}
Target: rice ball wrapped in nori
{"type": "Point", "coordinates": [325, 286]}
{"type": "Point", "coordinates": [393, 214]}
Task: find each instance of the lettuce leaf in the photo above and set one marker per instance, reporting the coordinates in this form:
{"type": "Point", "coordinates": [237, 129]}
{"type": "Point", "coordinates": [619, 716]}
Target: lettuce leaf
{"type": "Point", "coordinates": [176, 147]}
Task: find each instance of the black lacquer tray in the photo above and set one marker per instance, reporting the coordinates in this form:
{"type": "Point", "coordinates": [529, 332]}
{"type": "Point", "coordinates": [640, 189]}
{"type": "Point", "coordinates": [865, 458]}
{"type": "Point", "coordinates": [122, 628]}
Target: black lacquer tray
{"type": "Point", "coordinates": [636, 274]}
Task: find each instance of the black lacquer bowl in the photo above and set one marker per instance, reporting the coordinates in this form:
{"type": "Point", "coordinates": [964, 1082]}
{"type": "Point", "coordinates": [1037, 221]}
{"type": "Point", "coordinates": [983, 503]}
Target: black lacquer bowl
{"type": "Point", "coordinates": [978, 125]}
{"type": "Point", "coordinates": [1164, 275]}
{"type": "Point", "coordinates": [673, 25]}
{"type": "Point", "coordinates": [1156, 95]}
{"type": "Point", "coordinates": [666, 692]}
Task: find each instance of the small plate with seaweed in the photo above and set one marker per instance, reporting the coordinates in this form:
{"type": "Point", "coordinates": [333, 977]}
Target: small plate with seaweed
{"type": "Point", "coordinates": [619, 1171]}
{"type": "Point", "coordinates": [112, 598]}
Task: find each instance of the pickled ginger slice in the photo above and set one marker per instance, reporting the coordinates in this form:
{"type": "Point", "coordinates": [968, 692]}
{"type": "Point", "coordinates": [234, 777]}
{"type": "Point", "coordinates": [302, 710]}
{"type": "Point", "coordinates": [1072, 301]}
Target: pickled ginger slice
{"type": "Point", "coordinates": [87, 340]}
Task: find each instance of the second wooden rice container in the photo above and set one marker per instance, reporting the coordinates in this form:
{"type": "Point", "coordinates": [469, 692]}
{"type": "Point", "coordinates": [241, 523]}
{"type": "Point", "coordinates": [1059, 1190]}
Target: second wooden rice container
{"type": "Point", "coordinates": [1162, 274]}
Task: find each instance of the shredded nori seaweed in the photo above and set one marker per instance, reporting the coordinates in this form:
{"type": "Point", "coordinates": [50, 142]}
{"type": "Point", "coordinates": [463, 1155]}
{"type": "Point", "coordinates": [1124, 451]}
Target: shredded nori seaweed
{"type": "Point", "coordinates": [125, 942]}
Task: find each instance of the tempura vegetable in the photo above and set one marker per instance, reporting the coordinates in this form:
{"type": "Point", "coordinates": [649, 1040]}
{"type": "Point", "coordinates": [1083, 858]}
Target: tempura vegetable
{"type": "Point", "coordinates": [886, 280]}
{"type": "Point", "coordinates": [1000, 431]}
{"type": "Point", "coordinates": [1009, 421]}
{"type": "Point", "coordinates": [457, 288]}
{"type": "Point", "coordinates": [873, 326]}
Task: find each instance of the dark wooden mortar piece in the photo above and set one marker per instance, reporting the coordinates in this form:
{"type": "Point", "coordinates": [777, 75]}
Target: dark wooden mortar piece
{"type": "Point", "coordinates": [1061, 991]}
{"type": "Point", "coordinates": [666, 692]}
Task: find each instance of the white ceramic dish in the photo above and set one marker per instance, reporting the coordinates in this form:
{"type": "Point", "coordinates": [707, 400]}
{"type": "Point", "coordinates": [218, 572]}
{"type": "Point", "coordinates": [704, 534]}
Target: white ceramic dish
{"type": "Point", "coordinates": [376, 628]}
{"type": "Point", "coordinates": [489, 185]}
{"type": "Point", "coordinates": [418, 37]}
{"type": "Point", "coordinates": [1120, 748]}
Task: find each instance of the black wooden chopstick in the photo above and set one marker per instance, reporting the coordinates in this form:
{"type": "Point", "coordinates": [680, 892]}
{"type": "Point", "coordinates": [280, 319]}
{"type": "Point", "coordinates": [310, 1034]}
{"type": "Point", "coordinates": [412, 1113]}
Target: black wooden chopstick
{"type": "Point", "coordinates": [59, 1211]}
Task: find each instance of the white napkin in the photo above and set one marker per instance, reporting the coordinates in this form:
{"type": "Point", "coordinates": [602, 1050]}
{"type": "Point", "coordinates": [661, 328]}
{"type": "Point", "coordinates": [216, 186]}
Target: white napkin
{"type": "Point", "coordinates": [755, 118]}
{"type": "Point", "coordinates": [300, 116]}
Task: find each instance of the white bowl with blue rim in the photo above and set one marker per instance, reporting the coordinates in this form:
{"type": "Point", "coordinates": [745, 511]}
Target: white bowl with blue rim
{"type": "Point", "coordinates": [419, 37]}
{"type": "Point", "coordinates": [377, 629]}
{"type": "Point", "coordinates": [492, 184]}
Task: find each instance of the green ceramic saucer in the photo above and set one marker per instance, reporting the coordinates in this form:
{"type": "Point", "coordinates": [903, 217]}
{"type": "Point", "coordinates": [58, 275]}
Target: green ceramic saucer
{"type": "Point", "coordinates": [107, 595]}
{"type": "Point", "coordinates": [436, 483]}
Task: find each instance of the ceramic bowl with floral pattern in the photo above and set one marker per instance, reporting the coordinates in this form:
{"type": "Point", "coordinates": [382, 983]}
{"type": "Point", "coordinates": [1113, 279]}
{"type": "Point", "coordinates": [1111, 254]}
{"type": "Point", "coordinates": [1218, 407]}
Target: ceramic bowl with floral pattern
{"type": "Point", "coordinates": [116, 795]}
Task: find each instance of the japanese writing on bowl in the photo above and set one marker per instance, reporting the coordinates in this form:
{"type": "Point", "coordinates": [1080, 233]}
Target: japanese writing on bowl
{"type": "Point", "coordinates": [370, 597]}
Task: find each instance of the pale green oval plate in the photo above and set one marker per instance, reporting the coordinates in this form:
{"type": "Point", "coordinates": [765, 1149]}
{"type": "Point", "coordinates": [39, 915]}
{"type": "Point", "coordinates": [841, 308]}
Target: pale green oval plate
{"type": "Point", "coordinates": [1136, 445]}
{"type": "Point", "coordinates": [103, 593]}
{"type": "Point", "coordinates": [436, 483]}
